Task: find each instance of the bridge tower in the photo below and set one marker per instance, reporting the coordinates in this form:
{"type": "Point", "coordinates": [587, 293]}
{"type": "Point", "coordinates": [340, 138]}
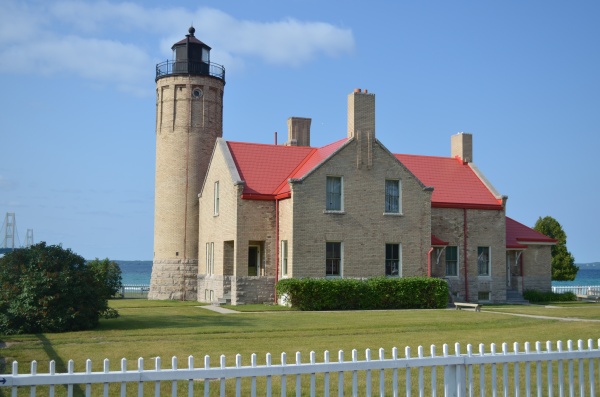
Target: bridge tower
{"type": "Point", "coordinates": [189, 119]}
{"type": "Point", "coordinates": [9, 233]}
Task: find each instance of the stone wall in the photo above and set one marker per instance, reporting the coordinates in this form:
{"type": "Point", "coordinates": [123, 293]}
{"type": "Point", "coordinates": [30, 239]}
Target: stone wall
{"type": "Point", "coordinates": [537, 268]}
{"type": "Point", "coordinates": [174, 279]}
{"type": "Point", "coordinates": [216, 286]}
{"type": "Point", "coordinates": [249, 290]}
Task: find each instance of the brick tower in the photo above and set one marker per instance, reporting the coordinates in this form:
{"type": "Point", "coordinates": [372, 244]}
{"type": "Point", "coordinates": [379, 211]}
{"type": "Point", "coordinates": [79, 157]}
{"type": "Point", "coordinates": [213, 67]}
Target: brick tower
{"type": "Point", "coordinates": [189, 119]}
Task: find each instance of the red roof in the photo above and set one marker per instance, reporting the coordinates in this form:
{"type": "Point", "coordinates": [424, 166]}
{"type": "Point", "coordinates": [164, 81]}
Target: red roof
{"type": "Point", "coordinates": [519, 235]}
{"type": "Point", "coordinates": [437, 242]}
{"type": "Point", "coordinates": [264, 168]}
{"type": "Point", "coordinates": [455, 183]}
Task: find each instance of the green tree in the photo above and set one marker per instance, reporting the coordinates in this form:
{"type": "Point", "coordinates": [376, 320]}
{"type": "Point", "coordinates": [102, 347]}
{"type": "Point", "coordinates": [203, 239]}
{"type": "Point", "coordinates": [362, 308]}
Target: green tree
{"type": "Point", "coordinates": [563, 263]}
{"type": "Point", "coordinates": [108, 275]}
{"type": "Point", "coordinates": [48, 289]}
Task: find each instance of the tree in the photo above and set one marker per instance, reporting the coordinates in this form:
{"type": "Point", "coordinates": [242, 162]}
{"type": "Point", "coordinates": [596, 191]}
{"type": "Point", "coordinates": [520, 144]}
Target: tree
{"type": "Point", "coordinates": [49, 289]}
{"type": "Point", "coordinates": [108, 274]}
{"type": "Point", "coordinates": [563, 263]}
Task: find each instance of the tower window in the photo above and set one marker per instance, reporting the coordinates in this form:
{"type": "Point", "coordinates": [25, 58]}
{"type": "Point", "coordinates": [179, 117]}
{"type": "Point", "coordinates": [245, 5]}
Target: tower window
{"type": "Point", "coordinates": [197, 93]}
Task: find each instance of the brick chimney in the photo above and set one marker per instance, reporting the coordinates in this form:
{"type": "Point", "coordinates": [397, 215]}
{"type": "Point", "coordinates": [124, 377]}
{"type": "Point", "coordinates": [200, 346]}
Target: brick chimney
{"type": "Point", "coordinates": [298, 131]}
{"type": "Point", "coordinates": [361, 113]}
{"type": "Point", "coordinates": [361, 125]}
{"type": "Point", "coordinates": [462, 147]}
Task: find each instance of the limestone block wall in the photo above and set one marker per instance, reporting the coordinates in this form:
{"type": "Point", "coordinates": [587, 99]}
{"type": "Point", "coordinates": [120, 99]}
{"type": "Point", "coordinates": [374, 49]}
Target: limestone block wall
{"type": "Point", "coordinates": [213, 287]}
{"type": "Point", "coordinates": [248, 290]}
{"type": "Point", "coordinates": [362, 226]}
{"type": "Point", "coordinates": [485, 228]}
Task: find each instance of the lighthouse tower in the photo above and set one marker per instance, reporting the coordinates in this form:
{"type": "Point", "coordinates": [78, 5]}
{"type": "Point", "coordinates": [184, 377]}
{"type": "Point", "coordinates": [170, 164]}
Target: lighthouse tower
{"type": "Point", "coordinates": [189, 119]}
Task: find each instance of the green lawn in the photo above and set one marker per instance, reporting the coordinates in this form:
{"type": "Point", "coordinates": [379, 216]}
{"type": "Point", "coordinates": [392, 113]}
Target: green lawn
{"type": "Point", "coordinates": [165, 328]}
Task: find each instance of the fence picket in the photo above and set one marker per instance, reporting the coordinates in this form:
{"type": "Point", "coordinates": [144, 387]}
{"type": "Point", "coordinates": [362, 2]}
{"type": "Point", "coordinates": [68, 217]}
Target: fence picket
{"type": "Point", "coordinates": [459, 373]}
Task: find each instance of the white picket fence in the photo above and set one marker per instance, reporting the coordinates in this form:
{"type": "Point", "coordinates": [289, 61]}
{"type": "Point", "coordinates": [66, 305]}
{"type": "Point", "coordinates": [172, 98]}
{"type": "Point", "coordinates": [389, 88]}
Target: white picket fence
{"type": "Point", "coordinates": [577, 289]}
{"type": "Point", "coordinates": [527, 372]}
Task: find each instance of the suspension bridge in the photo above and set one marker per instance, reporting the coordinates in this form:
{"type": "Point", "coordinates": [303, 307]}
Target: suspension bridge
{"type": "Point", "coordinates": [10, 235]}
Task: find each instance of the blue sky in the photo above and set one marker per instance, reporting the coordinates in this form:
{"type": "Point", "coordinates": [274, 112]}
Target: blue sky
{"type": "Point", "coordinates": [77, 109]}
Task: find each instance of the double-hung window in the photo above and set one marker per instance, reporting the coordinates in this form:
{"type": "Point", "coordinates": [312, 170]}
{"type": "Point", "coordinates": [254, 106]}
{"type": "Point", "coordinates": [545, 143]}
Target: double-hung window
{"type": "Point", "coordinates": [333, 259]}
{"type": "Point", "coordinates": [334, 188]}
{"type": "Point", "coordinates": [392, 196]}
{"type": "Point", "coordinates": [210, 258]}
{"type": "Point", "coordinates": [216, 198]}
{"type": "Point", "coordinates": [284, 257]}
{"type": "Point", "coordinates": [483, 261]}
{"type": "Point", "coordinates": [392, 259]}
{"type": "Point", "coordinates": [452, 261]}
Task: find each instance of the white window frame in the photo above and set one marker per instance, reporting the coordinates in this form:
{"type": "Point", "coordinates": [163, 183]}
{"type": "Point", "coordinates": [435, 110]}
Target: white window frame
{"type": "Point", "coordinates": [210, 258]}
{"type": "Point", "coordinates": [399, 260]}
{"type": "Point", "coordinates": [341, 259]}
{"type": "Point", "coordinates": [457, 260]}
{"type": "Point", "coordinates": [216, 199]}
{"type": "Point", "coordinates": [489, 261]}
{"type": "Point", "coordinates": [487, 298]}
{"type": "Point", "coordinates": [341, 206]}
{"type": "Point", "coordinates": [385, 204]}
{"type": "Point", "coordinates": [284, 258]}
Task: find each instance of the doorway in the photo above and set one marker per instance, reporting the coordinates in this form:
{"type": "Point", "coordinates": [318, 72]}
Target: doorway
{"type": "Point", "coordinates": [253, 260]}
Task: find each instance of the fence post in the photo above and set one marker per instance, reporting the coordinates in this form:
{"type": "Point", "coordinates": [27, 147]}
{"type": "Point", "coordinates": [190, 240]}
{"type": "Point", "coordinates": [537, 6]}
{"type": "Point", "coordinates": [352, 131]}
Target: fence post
{"type": "Point", "coordinates": [449, 376]}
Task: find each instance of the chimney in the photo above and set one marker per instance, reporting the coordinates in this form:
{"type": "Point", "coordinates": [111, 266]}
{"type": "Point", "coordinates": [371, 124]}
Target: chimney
{"type": "Point", "coordinates": [462, 147]}
{"type": "Point", "coordinates": [298, 131]}
{"type": "Point", "coordinates": [361, 113]}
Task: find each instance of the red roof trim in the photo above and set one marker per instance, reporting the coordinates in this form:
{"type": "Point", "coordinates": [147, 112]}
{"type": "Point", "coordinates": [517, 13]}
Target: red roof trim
{"type": "Point", "coordinates": [435, 241]}
{"type": "Point", "coordinates": [254, 196]}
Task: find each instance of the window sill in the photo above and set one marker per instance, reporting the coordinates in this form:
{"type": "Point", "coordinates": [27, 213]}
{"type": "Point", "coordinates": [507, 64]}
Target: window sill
{"type": "Point", "coordinates": [485, 277]}
{"type": "Point", "coordinates": [334, 212]}
{"type": "Point", "coordinates": [453, 277]}
{"type": "Point", "coordinates": [393, 214]}
{"type": "Point", "coordinates": [333, 276]}
{"type": "Point", "coordinates": [215, 215]}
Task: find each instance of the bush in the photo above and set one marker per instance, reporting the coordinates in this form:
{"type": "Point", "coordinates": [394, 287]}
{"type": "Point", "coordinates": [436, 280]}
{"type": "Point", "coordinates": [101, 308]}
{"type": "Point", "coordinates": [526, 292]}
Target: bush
{"type": "Point", "coordinates": [544, 297]}
{"type": "Point", "coordinates": [108, 275]}
{"type": "Point", "coordinates": [371, 294]}
{"type": "Point", "coordinates": [49, 289]}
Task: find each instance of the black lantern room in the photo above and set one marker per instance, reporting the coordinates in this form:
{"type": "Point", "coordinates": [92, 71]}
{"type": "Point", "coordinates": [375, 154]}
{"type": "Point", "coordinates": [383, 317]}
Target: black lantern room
{"type": "Point", "coordinates": [190, 56]}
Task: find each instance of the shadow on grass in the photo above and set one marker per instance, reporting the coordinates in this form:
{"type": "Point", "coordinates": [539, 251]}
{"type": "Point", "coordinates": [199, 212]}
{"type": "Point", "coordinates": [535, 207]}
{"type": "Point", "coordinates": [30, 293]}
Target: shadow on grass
{"type": "Point", "coordinates": [60, 365]}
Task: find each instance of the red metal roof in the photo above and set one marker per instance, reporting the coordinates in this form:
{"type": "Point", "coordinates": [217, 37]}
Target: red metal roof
{"type": "Point", "coordinates": [264, 168]}
{"type": "Point", "coordinates": [518, 235]}
{"type": "Point", "coordinates": [455, 184]}
{"type": "Point", "coordinates": [435, 241]}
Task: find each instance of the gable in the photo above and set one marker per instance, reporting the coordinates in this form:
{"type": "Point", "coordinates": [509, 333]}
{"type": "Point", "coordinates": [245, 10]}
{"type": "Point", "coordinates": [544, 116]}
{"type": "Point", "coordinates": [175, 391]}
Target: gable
{"type": "Point", "coordinates": [519, 236]}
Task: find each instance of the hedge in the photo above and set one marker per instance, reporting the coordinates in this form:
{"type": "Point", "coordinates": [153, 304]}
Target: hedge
{"type": "Point", "coordinates": [364, 294]}
{"type": "Point", "coordinates": [537, 296]}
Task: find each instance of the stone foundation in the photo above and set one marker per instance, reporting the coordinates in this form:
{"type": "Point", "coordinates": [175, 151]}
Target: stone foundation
{"type": "Point", "coordinates": [241, 290]}
{"type": "Point", "coordinates": [174, 280]}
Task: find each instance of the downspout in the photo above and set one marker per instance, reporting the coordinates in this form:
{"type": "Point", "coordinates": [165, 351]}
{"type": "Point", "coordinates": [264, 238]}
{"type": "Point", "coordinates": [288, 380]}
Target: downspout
{"type": "Point", "coordinates": [465, 254]}
{"type": "Point", "coordinates": [276, 245]}
{"type": "Point", "coordinates": [429, 262]}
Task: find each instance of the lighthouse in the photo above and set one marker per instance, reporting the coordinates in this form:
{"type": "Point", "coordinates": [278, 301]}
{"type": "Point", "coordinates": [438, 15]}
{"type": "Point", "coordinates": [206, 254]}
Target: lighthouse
{"type": "Point", "coordinates": [189, 119]}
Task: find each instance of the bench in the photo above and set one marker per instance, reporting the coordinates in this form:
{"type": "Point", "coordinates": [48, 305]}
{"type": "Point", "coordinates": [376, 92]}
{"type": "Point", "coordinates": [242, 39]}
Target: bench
{"type": "Point", "coordinates": [588, 298]}
{"type": "Point", "coordinates": [465, 305]}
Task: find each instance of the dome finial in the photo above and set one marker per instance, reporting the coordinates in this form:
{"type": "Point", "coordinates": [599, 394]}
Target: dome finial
{"type": "Point", "coordinates": [192, 30]}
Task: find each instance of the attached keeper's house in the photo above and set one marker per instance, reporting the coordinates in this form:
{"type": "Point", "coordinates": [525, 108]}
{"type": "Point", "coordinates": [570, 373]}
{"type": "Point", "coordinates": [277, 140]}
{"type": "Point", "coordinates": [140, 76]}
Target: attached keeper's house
{"type": "Point", "coordinates": [354, 209]}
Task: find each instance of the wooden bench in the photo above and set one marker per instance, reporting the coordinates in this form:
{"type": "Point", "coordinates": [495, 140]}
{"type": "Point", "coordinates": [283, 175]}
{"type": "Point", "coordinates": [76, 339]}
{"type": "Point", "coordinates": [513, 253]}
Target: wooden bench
{"type": "Point", "coordinates": [465, 305]}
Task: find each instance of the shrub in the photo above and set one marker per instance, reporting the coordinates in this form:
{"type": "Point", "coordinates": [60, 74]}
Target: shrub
{"type": "Point", "coordinates": [543, 297]}
{"type": "Point", "coordinates": [374, 293]}
{"type": "Point", "coordinates": [49, 289]}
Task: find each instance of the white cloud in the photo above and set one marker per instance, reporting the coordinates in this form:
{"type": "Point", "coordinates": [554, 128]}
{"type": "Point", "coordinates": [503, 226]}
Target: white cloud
{"type": "Point", "coordinates": [109, 42]}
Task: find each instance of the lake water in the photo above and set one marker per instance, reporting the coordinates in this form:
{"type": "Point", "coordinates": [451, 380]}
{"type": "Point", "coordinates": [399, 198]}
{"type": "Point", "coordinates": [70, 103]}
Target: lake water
{"type": "Point", "coordinates": [138, 272]}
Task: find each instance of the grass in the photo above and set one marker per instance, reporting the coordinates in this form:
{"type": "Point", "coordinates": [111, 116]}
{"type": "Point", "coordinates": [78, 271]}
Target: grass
{"type": "Point", "coordinates": [170, 328]}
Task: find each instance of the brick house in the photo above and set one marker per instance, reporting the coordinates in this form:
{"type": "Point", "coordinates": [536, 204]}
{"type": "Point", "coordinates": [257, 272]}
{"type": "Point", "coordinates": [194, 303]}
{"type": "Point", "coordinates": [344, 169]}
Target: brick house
{"type": "Point", "coordinates": [354, 209]}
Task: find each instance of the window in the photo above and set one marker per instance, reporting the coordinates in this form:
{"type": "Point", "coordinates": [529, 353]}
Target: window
{"type": "Point", "coordinates": [333, 259]}
{"type": "Point", "coordinates": [483, 296]}
{"type": "Point", "coordinates": [210, 258]}
{"type": "Point", "coordinates": [392, 196]}
{"type": "Point", "coordinates": [483, 261]}
{"type": "Point", "coordinates": [216, 198]}
{"type": "Point", "coordinates": [392, 259]}
{"type": "Point", "coordinates": [334, 193]}
{"type": "Point", "coordinates": [452, 261]}
{"type": "Point", "coordinates": [284, 257]}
